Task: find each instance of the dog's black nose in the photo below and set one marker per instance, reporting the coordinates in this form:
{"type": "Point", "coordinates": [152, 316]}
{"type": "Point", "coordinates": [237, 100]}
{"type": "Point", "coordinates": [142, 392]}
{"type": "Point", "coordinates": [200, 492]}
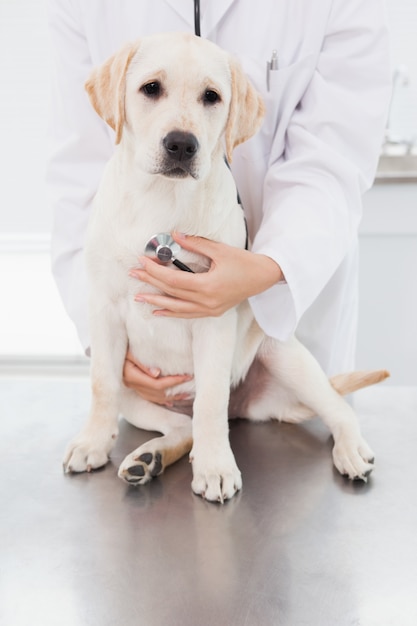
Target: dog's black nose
{"type": "Point", "coordinates": [180, 146]}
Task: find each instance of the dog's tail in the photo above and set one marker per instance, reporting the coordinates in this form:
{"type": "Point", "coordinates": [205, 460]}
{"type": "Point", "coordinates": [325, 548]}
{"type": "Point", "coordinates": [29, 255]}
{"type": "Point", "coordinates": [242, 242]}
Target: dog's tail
{"type": "Point", "coordinates": [352, 381]}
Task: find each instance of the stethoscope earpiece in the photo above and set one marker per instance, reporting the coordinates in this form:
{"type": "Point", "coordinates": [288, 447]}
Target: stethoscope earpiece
{"type": "Point", "coordinates": [163, 248]}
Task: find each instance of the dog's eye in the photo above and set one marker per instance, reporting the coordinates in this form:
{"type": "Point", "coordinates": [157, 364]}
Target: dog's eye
{"type": "Point", "coordinates": [152, 89]}
{"type": "Point", "coordinates": [210, 97]}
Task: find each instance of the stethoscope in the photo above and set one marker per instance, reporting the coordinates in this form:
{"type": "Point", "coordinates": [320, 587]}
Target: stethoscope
{"type": "Point", "coordinates": [162, 246]}
{"type": "Point", "coordinates": [164, 249]}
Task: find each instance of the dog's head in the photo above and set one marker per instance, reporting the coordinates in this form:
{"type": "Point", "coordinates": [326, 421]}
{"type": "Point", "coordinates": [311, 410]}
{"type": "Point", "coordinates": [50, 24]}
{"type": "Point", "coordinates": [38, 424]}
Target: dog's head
{"type": "Point", "coordinates": [177, 100]}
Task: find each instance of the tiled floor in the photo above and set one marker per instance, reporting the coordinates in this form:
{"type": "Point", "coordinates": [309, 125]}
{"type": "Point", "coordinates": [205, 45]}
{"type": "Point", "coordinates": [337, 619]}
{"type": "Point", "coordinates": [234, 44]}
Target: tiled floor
{"type": "Point", "coordinates": [299, 546]}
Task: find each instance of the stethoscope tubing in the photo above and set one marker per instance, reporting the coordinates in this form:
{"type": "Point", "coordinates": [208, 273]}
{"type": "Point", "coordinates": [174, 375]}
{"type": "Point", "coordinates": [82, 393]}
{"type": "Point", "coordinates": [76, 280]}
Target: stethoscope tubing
{"type": "Point", "coordinates": [163, 240]}
{"type": "Point", "coordinates": [197, 25]}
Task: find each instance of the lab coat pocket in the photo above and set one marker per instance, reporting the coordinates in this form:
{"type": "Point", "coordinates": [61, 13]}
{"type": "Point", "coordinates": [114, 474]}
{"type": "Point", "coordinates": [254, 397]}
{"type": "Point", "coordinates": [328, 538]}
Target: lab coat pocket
{"type": "Point", "coordinates": [282, 90]}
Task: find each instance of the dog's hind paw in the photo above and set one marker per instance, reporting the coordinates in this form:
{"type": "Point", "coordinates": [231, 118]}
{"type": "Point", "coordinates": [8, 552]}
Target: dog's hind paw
{"type": "Point", "coordinates": [354, 459]}
{"type": "Point", "coordinates": [139, 469]}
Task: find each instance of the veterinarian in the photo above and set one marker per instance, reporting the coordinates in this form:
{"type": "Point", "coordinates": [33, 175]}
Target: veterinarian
{"type": "Point", "coordinates": [323, 71]}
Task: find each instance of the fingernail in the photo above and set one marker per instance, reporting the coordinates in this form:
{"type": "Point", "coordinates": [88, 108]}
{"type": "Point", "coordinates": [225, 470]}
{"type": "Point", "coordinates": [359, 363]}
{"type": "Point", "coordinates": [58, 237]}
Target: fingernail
{"type": "Point", "coordinates": [180, 235]}
{"type": "Point", "coordinates": [139, 298]}
{"type": "Point", "coordinates": [154, 371]}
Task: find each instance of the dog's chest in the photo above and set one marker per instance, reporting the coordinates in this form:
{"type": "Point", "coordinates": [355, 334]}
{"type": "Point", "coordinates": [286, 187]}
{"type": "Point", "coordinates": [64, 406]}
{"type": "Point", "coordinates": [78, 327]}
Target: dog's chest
{"type": "Point", "coordinates": [158, 342]}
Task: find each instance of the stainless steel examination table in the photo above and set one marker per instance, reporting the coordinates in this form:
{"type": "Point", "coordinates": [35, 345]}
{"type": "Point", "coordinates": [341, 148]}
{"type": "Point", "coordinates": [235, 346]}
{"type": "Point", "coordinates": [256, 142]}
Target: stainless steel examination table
{"type": "Point", "coordinates": [299, 546]}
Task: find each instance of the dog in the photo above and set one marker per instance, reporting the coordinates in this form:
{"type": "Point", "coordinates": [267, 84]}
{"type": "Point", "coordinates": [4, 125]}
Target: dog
{"type": "Point", "coordinates": [173, 130]}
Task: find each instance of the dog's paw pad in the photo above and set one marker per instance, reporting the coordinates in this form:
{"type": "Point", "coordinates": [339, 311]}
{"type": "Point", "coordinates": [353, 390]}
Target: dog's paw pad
{"type": "Point", "coordinates": [136, 470]}
{"type": "Point", "coordinates": [157, 466]}
{"type": "Point", "coordinates": [140, 469]}
{"type": "Point", "coordinates": [146, 457]}
{"type": "Point", "coordinates": [153, 461]}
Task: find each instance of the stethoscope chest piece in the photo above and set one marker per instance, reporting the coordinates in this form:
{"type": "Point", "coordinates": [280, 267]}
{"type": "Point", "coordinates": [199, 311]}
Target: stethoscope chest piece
{"type": "Point", "coordinates": [164, 249]}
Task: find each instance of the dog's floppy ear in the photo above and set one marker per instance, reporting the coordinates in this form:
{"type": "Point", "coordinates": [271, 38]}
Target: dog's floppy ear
{"type": "Point", "coordinates": [246, 110]}
{"type": "Point", "coordinates": [106, 88]}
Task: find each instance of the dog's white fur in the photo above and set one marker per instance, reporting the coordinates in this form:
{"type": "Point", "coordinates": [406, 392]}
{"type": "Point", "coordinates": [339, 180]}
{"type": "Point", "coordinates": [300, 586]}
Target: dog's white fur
{"type": "Point", "coordinates": [141, 194]}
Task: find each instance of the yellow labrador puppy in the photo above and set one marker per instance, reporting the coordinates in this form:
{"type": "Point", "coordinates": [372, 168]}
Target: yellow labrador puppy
{"type": "Point", "coordinates": [173, 129]}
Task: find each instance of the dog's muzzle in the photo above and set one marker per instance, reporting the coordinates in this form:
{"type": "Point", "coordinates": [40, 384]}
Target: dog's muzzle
{"type": "Point", "coordinates": [180, 149]}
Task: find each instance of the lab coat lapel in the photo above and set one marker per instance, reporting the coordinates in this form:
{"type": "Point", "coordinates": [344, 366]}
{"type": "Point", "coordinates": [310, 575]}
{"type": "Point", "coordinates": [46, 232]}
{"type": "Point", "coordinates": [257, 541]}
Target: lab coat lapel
{"type": "Point", "coordinates": [212, 12]}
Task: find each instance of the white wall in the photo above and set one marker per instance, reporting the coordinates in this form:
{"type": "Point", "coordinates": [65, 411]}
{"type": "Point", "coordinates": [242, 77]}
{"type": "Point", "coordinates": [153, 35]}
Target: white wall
{"type": "Point", "coordinates": [24, 80]}
{"type": "Point", "coordinates": [387, 335]}
{"type": "Point", "coordinates": [402, 19]}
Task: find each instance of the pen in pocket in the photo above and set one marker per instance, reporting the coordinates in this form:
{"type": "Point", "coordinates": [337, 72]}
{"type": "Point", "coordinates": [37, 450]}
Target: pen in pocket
{"type": "Point", "coordinates": [271, 66]}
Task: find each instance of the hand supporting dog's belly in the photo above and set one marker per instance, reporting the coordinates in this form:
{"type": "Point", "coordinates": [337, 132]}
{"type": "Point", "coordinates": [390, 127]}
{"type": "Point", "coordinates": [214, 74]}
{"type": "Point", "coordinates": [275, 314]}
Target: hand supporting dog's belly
{"type": "Point", "coordinates": [234, 276]}
{"type": "Point", "coordinates": [149, 383]}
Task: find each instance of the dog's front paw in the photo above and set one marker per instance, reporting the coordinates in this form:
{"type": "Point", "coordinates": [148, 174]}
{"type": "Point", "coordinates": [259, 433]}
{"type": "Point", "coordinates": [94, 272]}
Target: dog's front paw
{"type": "Point", "coordinates": [353, 458]}
{"type": "Point", "coordinates": [88, 451]}
{"type": "Point", "coordinates": [215, 477]}
{"type": "Point", "coordinates": [141, 466]}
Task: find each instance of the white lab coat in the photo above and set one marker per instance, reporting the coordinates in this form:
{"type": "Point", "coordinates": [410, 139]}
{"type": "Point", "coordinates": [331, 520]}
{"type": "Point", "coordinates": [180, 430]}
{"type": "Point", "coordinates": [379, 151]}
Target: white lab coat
{"type": "Point", "coordinates": [300, 178]}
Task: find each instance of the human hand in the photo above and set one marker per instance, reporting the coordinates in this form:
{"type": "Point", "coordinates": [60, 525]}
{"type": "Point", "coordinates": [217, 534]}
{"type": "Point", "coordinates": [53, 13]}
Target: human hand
{"type": "Point", "coordinates": [149, 383]}
{"type": "Point", "coordinates": [234, 275]}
